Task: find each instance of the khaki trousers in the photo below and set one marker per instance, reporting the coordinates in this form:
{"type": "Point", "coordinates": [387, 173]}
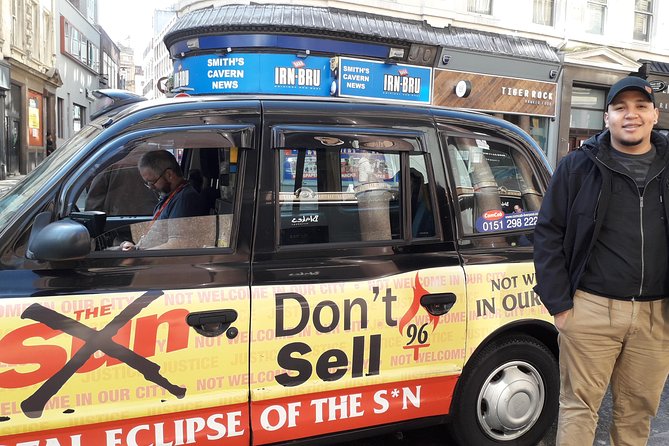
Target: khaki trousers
{"type": "Point", "coordinates": [624, 343]}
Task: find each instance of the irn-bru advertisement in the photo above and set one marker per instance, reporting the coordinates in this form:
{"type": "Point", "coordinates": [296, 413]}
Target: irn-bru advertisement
{"type": "Point", "coordinates": [125, 369]}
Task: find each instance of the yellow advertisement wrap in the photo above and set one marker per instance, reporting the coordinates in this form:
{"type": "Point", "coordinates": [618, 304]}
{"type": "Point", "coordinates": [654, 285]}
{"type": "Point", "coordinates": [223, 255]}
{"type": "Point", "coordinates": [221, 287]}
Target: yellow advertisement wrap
{"type": "Point", "coordinates": [93, 359]}
{"type": "Point", "coordinates": [127, 369]}
{"type": "Point", "coordinates": [499, 294]}
{"type": "Point", "coordinates": [352, 354]}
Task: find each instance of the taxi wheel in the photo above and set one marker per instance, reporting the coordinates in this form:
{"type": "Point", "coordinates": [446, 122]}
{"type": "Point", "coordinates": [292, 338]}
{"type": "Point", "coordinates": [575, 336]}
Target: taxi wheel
{"type": "Point", "coordinates": [508, 394]}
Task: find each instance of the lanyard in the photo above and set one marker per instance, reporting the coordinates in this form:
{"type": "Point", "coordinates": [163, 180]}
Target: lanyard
{"type": "Point", "coordinates": [165, 203]}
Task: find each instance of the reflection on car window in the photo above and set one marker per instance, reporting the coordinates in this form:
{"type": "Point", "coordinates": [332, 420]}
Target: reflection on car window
{"type": "Point", "coordinates": [119, 189]}
{"type": "Point", "coordinates": [338, 189]}
{"type": "Point", "coordinates": [208, 163]}
{"type": "Point", "coordinates": [496, 186]}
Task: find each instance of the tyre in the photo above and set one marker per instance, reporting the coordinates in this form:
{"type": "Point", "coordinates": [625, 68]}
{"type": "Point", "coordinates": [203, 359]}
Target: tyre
{"type": "Point", "coordinates": [507, 395]}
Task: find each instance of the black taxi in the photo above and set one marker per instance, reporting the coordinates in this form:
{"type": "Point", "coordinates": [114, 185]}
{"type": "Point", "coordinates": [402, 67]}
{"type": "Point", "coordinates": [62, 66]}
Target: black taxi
{"type": "Point", "coordinates": [361, 267]}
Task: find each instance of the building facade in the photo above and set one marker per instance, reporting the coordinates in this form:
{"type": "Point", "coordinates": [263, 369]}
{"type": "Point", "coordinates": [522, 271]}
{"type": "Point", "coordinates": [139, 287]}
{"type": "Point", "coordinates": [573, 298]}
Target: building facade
{"type": "Point", "coordinates": [79, 62]}
{"type": "Point", "coordinates": [126, 68]}
{"type": "Point", "coordinates": [28, 82]}
{"type": "Point", "coordinates": [156, 61]}
{"type": "Point", "coordinates": [597, 42]}
{"type": "Point", "coordinates": [110, 55]}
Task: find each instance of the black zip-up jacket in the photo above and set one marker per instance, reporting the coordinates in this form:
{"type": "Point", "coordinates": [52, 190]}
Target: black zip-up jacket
{"type": "Point", "coordinates": [572, 213]}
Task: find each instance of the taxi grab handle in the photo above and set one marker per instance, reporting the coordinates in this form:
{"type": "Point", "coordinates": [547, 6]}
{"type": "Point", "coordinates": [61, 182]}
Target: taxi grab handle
{"type": "Point", "coordinates": [213, 323]}
{"type": "Point", "coordinates": [439, 303]}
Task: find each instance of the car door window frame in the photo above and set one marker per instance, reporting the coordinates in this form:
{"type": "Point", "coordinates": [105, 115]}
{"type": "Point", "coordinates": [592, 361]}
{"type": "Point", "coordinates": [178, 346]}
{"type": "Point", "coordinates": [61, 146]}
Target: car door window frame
{"type": "Point", "coordinates": [537, 188]}
{"type": "Point", "coordinates": [415, 144]}
{"type": "Point", "coordinates": [109, 151]}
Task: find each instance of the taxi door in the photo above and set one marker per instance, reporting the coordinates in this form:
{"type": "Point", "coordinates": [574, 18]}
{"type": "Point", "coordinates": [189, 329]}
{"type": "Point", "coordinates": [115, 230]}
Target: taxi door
{"type": "Point", "coordinates": [148, 346]}
{"type": "Point", "coordinates": [358, 295]}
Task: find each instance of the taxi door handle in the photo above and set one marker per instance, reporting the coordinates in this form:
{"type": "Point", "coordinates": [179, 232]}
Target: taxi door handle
{"type": "Point", "coordinates": [213, 323]}
{"type": "Point", "coordinates": [439, 303]}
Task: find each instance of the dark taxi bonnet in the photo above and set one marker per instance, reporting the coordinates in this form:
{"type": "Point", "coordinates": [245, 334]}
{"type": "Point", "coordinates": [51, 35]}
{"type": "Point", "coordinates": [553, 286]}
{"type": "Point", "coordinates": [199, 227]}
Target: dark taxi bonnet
{"type": "Point", "coordinates": [630, 83]}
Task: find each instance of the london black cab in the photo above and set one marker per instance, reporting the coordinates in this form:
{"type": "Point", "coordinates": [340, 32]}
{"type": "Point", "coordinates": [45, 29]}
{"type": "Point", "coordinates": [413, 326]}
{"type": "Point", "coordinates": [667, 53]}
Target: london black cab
{"type": "Point", "coordinates": [362, 267]}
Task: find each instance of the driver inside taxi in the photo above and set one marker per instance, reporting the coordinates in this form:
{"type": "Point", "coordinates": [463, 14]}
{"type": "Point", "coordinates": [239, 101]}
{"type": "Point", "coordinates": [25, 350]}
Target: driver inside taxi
{"type": "Point", "coordinates": [161, 172]}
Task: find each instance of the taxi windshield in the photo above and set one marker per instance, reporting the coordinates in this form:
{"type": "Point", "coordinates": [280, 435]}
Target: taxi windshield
{"type": "Point", "coordinates": [26, 190]}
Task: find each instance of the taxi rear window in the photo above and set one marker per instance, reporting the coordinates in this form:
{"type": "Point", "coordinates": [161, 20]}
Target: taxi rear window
{"type": "Point", "coordinates": [497, 188]}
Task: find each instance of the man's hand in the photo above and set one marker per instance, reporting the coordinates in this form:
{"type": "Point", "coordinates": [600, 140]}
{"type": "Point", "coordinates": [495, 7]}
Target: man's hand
{"type": "Point", "coordinates": [128, 246]}
{"type": "Point", "coordinates": [560, 319]}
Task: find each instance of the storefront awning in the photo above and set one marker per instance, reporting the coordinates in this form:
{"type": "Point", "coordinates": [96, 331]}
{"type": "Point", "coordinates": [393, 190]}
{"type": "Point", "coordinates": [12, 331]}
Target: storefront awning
{"type": "Point", "coordinates": [327, 22]}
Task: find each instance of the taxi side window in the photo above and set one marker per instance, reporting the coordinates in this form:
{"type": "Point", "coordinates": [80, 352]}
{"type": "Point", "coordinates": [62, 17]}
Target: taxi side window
{"type": "Point", "coordinates": [207, 161]}
{"type": "Point", "coordinates": [497, 188]}
{"type": "Point", "coordinates": [340, 189]}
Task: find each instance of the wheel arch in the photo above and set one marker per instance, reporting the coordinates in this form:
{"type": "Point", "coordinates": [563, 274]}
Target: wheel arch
{"type": "Point", "coordinates": [483, 364]}
{"type": "Point", "coordinates": [542, 331]}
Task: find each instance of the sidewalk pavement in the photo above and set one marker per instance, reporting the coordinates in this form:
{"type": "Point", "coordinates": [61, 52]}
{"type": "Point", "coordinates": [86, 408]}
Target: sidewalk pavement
{"type": "Point", "coordinates": [6, 185]}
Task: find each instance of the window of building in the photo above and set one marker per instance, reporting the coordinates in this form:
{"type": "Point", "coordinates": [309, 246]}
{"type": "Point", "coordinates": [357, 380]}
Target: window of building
{"type": "Point", "coordinates": [37, 43]}
{"type": "Point", "coordinates": [61, 116]}
{"type": "Point", "coordinates": [48, 36]}
{"type": "Point", "coordinates": [78, 117]}
{"type": "Point", "coordinates": [497, 188]}
{"type": "Point", "coordinates": [341, 188]}
{"type": "Point", "coordinates": [543, 12]}
{"type": "Point", "coordinates": [109, 70]}
{"type": "Point", "coordinates": [595, 16]}
{"type": "Point", "coordinates": [93, 57]}
{"type": "Point", "coordinates": [479, 6]}
{"type": "Point", "coordinates": [643, 19]}
{"type": "Point", "coordinates": [76, 45]}
{"type": "Point", "coordinates": [587, 108]}
{"type": "Point", "coordinates": [18, 25]}
{"type": "Point", "coordinates": [90, 11]}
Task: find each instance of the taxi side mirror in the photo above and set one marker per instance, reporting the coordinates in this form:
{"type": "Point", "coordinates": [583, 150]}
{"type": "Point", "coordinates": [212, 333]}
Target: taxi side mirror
{"type": "Point", "coordinates": [61, 240]}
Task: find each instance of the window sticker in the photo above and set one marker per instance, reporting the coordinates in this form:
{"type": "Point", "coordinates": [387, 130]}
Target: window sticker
{"type": "Point", "coordinates": [496, 220]}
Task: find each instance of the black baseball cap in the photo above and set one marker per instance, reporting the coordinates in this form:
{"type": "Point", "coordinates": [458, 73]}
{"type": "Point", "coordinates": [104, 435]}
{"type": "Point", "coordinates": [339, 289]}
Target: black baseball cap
{"type": "Point", "coordinates": [630, 83]}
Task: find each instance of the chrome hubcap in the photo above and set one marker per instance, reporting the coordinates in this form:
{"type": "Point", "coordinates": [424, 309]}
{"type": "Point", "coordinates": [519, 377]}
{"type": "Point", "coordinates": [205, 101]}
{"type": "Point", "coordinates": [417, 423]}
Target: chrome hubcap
{"type": "Point", "coordinates": [511, 401]}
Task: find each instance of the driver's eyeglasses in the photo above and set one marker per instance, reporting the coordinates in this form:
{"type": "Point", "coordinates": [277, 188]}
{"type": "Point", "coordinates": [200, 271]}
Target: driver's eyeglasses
{"type": "Point", "coordinates": [151, 183]}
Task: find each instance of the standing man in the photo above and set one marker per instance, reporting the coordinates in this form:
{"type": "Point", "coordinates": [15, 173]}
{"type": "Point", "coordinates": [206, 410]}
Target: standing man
{"type": "Point", "coordinates": [601, 255]}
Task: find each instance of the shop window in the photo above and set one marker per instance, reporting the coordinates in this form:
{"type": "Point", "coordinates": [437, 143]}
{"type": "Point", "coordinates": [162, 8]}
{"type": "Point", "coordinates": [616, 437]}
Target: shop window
{"type": "Point", "coordinates": [496, 186]}
{"type": "Point", "coordinates": [479, 6]}
{"type": "Point", "coordinates": [643, 16]}
{"type": "Point", "coordinates": [587, 108]}
{"type": "Point", "coordinates": [543, 12]}
{"type": "Point", "coordinates": [539, 131]}
{"type": "Point", "coordinates": [595, 16]}
{"type": "Point", "coordinates": [338, 189]}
